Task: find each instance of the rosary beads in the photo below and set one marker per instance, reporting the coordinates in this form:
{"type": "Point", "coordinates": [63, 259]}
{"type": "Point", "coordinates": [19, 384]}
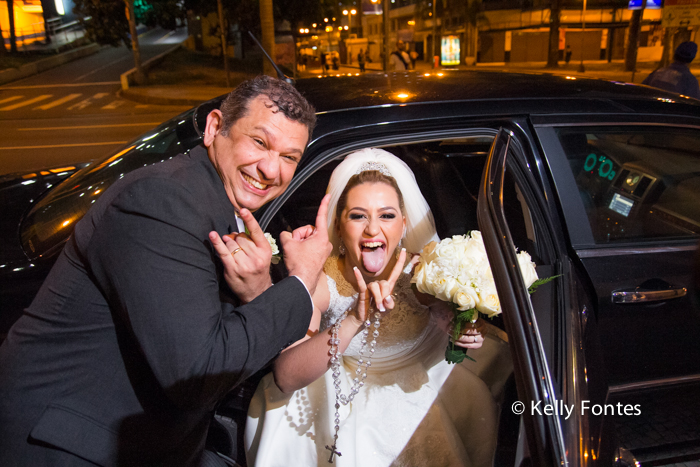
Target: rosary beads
{"type": "Point", "coordinates": [365, 361]}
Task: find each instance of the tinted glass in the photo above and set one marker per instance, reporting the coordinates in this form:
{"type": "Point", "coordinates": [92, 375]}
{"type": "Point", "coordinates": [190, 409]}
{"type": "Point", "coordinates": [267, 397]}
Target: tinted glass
{"type": "Point", "coordinates": [636, 183]}
{"type": "Point", "coordinates": [51, 221]}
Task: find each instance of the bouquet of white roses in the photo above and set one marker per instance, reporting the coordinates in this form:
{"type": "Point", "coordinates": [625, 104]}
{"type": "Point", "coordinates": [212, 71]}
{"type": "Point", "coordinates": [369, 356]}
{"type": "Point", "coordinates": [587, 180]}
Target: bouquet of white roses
{"type": "Point", "coordinates": [456, 270]}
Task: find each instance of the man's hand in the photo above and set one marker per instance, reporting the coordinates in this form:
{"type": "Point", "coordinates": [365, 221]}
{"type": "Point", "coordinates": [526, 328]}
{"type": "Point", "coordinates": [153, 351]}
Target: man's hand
{"type": "Point", "coordinates": [246, 259]}
{"type": "Point", "coordinates": [307, 248]}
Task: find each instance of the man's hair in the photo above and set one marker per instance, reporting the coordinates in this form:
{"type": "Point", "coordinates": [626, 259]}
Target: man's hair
{"type": "Point", "coordinates": [283, 96]}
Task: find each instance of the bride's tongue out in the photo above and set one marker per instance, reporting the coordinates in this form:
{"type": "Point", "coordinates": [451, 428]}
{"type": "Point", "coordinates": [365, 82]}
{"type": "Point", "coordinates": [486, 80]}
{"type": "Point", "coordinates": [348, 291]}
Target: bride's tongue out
{"type": "Point", "coordinates": [373, 259]}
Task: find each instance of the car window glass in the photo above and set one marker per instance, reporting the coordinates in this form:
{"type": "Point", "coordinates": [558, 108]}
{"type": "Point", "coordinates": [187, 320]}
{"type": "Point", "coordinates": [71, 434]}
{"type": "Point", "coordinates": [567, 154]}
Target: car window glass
{"type": "Point", "coordinates": [636, 183]}
{"type": "Point", "coordinates": [51, 221]}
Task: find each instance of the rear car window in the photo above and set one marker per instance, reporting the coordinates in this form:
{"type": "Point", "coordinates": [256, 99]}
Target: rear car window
{"type": "Point", "coordinates": [636, 183]}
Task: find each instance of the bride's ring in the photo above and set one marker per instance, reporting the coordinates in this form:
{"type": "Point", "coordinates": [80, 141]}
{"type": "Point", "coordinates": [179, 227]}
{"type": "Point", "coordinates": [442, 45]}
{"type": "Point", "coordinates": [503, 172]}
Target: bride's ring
{"type": "Point", "coordinates": [236, 251]}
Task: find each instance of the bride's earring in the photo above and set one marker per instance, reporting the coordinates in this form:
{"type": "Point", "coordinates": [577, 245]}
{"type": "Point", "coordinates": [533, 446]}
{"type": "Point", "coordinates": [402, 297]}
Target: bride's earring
{"type": "Point", "coordinates": [341, 249]}
{"type": "Point", "coordinates": [398, 248]}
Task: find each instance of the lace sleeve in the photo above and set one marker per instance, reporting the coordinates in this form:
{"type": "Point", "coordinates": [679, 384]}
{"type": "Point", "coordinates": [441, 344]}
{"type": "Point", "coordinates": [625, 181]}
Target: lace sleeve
{"type": "Point", "coordinates": [336, 306]}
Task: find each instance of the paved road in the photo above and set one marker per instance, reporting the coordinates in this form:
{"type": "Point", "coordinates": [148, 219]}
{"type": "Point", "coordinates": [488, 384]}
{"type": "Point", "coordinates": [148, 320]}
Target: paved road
{"type": "Point", "coordinates": [73, 113]}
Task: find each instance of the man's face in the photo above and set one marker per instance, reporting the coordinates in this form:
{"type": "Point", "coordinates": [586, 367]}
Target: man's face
{"type": "Point", "coordinates": [257, 160]}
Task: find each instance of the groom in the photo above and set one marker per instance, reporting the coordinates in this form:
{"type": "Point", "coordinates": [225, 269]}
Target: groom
{"type": "Point", "coordinates": [148, 318]}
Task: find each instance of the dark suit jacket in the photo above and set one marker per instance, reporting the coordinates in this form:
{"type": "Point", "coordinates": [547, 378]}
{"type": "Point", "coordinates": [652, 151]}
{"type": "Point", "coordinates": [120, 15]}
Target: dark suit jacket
{"type": "Point", "coordinates": [135, 336]}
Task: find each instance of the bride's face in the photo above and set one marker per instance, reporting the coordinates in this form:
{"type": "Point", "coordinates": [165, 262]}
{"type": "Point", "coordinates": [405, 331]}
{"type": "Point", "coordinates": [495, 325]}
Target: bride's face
{"type": "Point", "coordinates": [371, 227]}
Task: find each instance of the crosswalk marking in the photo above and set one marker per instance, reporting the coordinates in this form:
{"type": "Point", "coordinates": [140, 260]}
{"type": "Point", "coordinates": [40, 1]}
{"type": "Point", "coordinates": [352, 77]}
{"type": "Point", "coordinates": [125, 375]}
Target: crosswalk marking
{"type": "Point", "coordinates": [113, 104]}
{"type": "Point", "coordinates": [9, 99]}
{"type": "Point", "coordinates": [29, 102]}
{"type": "Point", "coordinates": [58, 102]}
{"type": "Point", "coordinates": [84, 103]}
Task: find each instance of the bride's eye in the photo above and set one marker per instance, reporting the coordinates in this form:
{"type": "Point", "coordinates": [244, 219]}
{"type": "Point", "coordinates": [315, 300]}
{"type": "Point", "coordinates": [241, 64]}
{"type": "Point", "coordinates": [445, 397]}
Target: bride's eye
{"type": "Point", "coordinates": [356, 216]}
{"type": "Point", "coordinates": [388, 216]}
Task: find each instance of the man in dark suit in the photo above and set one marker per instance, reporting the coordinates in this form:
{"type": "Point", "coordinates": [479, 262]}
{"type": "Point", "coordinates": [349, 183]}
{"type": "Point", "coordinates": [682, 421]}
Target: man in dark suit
{"type": "Point", "coordinates": [148, 317]}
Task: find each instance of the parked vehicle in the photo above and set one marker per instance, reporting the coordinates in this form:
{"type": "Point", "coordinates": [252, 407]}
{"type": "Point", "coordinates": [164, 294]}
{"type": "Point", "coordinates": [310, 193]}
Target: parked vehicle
{"type": "Point", "coordinates": [599, 181]}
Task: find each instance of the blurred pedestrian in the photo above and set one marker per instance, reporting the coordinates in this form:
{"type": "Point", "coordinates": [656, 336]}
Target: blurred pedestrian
{"type": "Point", "coordinates": [336, 61]}
{"type": "Point", "coordinates": [567, 54]}
{"type": "Point", "coordinates": [399, 59]}
{"type": "Point", "coordinates": [677, 76]}
{"type": "Point", "coordinates": [361, 60]}
{"type": "Point", "coordinates": [414, 57]}
{"type": "Point", "coordinates": [324, 62]}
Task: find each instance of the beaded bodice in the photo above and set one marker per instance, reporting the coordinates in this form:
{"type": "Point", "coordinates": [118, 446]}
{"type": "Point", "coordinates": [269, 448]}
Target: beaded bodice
{"type": "Point", "coordinates": [401, 328]}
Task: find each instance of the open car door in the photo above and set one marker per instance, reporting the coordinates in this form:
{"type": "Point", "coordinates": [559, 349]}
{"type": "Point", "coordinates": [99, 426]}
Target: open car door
{"type": "Point", "coordinates": [543, 434]}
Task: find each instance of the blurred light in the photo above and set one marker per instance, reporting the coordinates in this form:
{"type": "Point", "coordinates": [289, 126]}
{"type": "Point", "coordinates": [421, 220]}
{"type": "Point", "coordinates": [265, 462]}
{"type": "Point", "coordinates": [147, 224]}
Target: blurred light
{"type": "Point", "coordinates": [570, 77]}
{"type": "Point", "coordinates": [427, 74]}
{"type": "Point", "coordinates": [441, 74]}
{"type": "Point", "coordinates": [325, 20]}
{"type": "Point", "coordinates": [333, 19]}
{"type": "Point", "coordinates": [345, 12]}
{"type": "Point", "coordinates": [65, 223]}
{"type": "Point", "coordinates": [62, 169]}
{"type": "Point", "coordinates": [411, 23]}
{"type": "Point", "coordinates": [353, 12]}
{"type": "Point", "coordinates": [313, 25]}
{"type": "Point", "coordinates": [340, 28]}
{"type": "Point", "coordinates": [28, 182]}
{"type": "Point", "coordinates": [345, 27]}
{"type": "Point", "coordinates": [59, 7]}
{"type": "Point", "coordinates": [31, 175]}
{"type": "Point", "coordinates": [306, 31]}
{"type": "Point", "coordinates": [402, 95]}
{"type": "Point", "coordinates": [301, 31]}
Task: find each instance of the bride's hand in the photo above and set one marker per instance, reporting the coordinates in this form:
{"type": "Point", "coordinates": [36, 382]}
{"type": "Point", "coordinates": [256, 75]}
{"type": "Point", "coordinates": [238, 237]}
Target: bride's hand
{"type": "Point", "coordinates": [379, 291]}
{"type": "Point", "coordinates": [473, 335]}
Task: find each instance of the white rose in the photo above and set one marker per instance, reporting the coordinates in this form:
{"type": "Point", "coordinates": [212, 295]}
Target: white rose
{"type": "Point", "coordinates": [442, 287]}
{"type": "Point", "coordinates": [489, 304]}
{"type": "Point", "coordinates": [465, 298]}
{"type": "Point", "coordinates": [273, 244]}
{"type": "Point", "coordinates": [446, 249]}
{"type": "Point", "coordinates": [428, 252]}
{"type": "Point", "coordinates": [527, 268]}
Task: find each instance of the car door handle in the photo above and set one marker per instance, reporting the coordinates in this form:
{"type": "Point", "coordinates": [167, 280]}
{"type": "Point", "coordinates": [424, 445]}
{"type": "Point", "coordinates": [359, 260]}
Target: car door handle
{"type": "Point", "coordinates": [640, 295]}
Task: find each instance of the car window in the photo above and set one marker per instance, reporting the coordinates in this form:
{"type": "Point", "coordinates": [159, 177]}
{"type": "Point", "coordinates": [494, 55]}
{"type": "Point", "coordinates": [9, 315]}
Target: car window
{"type": "Point", "coordinates": [636, 183]}
{"type": "Point", "coordinates": [51, 221]}
{"type": "Point", "coordinates": [448, 173]}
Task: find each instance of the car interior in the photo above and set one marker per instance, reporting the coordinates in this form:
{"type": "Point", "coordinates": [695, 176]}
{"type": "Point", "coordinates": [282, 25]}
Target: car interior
{"type": "Point", "coordinates": [449, 174]}
{"type": "Point", "coordinates": [636, 183]}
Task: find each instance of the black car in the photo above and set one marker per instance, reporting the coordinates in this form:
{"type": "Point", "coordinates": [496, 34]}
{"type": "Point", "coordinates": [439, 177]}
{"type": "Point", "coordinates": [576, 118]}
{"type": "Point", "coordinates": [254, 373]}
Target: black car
{"type": "Point", "coordinates": [599, 181]}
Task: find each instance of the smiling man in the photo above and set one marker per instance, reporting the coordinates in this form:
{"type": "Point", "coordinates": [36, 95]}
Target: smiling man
{"type": "Point", "coordinates": [148, 318]}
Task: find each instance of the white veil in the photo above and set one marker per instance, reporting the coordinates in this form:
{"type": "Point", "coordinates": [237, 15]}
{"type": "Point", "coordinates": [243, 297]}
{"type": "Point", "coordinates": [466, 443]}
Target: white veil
{"type": "Point", "coordinates": [420, 226]}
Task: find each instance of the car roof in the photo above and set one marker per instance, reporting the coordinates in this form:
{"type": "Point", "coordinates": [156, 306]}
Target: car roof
{"type": "Point", "coordinates": [545, 92]}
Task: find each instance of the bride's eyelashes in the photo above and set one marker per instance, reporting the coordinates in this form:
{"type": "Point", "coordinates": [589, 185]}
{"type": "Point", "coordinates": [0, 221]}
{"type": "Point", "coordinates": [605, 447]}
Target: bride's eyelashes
{"type": "Point", "coordinates": [356, 216]}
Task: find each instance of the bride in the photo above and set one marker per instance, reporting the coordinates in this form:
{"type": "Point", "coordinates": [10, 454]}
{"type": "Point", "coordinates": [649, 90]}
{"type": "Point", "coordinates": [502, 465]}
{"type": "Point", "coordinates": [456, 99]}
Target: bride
{"type": "Point", "coordinates": [389, 397]}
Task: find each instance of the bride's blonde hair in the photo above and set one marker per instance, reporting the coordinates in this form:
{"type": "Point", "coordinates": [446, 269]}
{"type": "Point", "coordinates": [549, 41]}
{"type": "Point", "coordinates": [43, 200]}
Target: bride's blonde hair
{"type": "Point", "coordinates": [420, 226]}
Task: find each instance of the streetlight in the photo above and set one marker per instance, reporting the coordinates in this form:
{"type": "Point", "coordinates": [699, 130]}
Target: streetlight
{"type": "Point", "coordinates": [349, 14]}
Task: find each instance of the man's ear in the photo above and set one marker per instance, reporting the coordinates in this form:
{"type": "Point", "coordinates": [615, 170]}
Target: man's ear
{"type": "Point", "coordinates": [213, 126]}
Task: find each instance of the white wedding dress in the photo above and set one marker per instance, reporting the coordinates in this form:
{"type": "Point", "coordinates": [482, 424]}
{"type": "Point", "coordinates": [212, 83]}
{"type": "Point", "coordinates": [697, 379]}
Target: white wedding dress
{"type": "Point", "coordinates": [415, 409]}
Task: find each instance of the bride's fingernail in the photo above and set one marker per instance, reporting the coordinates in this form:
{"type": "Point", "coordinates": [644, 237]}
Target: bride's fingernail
{"type": "Point", "coordinates": [381, 307]}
